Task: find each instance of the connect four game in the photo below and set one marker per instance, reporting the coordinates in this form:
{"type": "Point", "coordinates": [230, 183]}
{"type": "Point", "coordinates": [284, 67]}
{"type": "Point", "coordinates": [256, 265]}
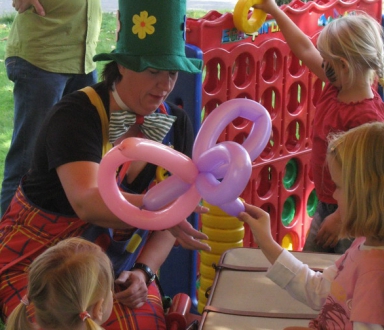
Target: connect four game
{"type": "Point", "coordinates": [261, 67]}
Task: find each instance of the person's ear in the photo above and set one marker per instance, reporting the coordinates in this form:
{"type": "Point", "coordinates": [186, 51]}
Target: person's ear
{"type": "Point", "coordinates": [120, 68]}
{"type": "Point", "coordinates": [344, 64]}
{"type": "Point", "coordinates": [97, 311]}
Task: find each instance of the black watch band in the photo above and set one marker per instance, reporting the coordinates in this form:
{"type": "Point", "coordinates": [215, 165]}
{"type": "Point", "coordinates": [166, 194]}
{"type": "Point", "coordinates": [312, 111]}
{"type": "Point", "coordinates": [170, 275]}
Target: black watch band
{"type": "Point", "coordinates": [150, 274]}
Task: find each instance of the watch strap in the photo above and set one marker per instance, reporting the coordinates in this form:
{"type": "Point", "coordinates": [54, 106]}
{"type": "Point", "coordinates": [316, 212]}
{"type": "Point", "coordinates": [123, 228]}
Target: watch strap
{"type": "Point", "coordinates": [148, 271]}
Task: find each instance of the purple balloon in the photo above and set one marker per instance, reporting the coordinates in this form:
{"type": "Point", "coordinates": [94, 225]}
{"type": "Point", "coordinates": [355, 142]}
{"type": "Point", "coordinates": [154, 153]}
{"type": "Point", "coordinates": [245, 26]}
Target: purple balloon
{"type": "Point", "coordinates": [224, 114]}
{"type": "Point", "coordinates": [238, 172]}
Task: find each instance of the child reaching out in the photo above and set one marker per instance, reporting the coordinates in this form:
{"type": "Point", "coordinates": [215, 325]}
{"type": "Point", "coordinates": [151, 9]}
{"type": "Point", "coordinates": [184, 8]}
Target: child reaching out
{"type": "Point", "coordinates": [69, 287]}
{"type": "Point", "coordinates": [348, 57]}
{"type": "Point", "coordinates": [349, 294]}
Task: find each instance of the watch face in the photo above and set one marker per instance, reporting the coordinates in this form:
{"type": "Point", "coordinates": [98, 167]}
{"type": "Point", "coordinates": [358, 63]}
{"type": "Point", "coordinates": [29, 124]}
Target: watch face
{"type": "Point", "coordinates": [151, 279]}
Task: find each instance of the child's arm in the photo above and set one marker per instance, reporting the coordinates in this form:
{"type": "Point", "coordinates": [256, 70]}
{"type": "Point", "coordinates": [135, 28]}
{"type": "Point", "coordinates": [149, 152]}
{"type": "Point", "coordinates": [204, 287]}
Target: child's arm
{"type": "Point", "coordinates": [298, 42]}
{"type": "Point", "coordinates": [259, 223]}
{"type": "Point", "coordinates": [289, 273]}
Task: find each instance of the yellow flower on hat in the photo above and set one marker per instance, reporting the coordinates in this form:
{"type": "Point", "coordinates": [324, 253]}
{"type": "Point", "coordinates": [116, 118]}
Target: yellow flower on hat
{"type": "Point", "coordinates": [143, 24]}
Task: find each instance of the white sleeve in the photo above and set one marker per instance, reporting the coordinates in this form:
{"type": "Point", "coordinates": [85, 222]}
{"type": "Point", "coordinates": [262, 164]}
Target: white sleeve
{"type": "Point", "coordinates": [366, 326]}
{"type": "Point", "coordinates": [301, 282]}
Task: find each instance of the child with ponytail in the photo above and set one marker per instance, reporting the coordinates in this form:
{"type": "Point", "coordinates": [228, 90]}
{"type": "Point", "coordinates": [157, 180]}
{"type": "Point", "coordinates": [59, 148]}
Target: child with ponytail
{"type": "Point", "coordinates": [69, 288]}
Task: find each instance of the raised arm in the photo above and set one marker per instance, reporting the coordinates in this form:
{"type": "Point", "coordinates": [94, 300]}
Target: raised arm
{"type": "Point", "coordinates": [297, 40]}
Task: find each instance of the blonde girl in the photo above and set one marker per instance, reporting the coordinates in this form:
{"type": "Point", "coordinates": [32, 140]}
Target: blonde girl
{"type": "Point", "coordinates": [350, 293]}
{"type": "Point", "coordinates": [348, 58]}
{"type": "Point", "coordinates": [356, 161]}
{"type": "Point", "coordinates": [69, 287]}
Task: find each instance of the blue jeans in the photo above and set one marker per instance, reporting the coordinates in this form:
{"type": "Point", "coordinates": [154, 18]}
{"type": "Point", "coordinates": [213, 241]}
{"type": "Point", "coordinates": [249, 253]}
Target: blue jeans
{"type": "Point", "coordinates": [35, 92]}
{"type": "Point", "coordinates": [322, 211]}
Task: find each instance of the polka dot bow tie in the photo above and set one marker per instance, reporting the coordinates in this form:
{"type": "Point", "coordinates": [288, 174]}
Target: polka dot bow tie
{"type": "Point", "coordinates": [154, 126]}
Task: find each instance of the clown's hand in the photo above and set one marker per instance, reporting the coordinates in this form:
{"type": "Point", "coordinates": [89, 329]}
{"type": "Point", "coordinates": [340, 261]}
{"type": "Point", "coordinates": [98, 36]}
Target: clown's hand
{"type": "Point", "coordinates": [188, 237]}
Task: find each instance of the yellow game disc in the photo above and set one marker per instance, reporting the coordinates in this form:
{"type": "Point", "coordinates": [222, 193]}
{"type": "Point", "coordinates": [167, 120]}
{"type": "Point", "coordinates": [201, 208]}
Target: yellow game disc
{"type": "Point", "coordinates": [200, 307]}
{"type": "Point", "coordinates": [219, 247]}
{"type": "Point", "coordinates": [205, 283]}
{"type": "Point", "coordinates": [207, 271]}
{"type": "Point", "coordinates": [161, 174]}
{"type": "Point", "coordinates": [223, 235]}
{"type": "Point", "coordinates": [220, 222]}
{"type": "Point", "coordinates": [208, 258]}
{"type": "Point", "coordinates": [215, 210]}
{"type": "Point", "coordinates": [240, 16]}
{"type": "Point", "coordinates": [202, 296]}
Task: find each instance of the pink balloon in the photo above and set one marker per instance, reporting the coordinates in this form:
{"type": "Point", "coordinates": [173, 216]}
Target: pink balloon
{"type": "Point", "coordinates": [217, 172]}
{"type": "Point", "coordinates": [155, 153]}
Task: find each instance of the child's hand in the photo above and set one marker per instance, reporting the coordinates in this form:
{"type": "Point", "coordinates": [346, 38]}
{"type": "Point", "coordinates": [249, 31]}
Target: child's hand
{"type": "Point", "coordinates": [268, 6]}
{"type": "Point", "coordinates": [259, 222]}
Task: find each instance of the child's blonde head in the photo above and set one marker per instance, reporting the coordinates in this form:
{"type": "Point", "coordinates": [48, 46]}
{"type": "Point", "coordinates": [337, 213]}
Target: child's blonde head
{"type": "Point", "coordinates": [359, 153]}
{"type": "Point", "coordinates": [358, 39]}
{"type": "Point", "coordinates": [63, 282]}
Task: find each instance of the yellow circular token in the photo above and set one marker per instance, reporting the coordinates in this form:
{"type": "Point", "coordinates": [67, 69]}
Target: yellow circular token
{"type": "Point", "coordinates": [224, 235]}
{"type": "Point", "coordinates": [221, 247]}
{"type": "Point", "coordinates": [200, 307]}
{"type": "Point", "coordinates": [220, 222]}
{"type": "Point", "coordinates": [205, 283]}
{"type": "Point", "coordinates": [207, 271]}
{"type": "Point", "coordinates": [240, 16]}
{"type": "Point", "coordinates": [202, 296]}
{"type": "Point", "coordinates": [161, 174]}
{"type": "Point", "coordinates": [209, 258]}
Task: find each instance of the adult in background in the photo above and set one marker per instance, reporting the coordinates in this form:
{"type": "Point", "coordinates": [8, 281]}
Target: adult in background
{"type": "Point", "coordinates": [59, 196]}
{"type": "Point", "coordinates": [49, 54]}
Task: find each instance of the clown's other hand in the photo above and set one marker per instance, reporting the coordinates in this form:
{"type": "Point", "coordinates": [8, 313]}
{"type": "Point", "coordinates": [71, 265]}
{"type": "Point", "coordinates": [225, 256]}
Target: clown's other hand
{"type": "Point", "coordinates": [188, 237]}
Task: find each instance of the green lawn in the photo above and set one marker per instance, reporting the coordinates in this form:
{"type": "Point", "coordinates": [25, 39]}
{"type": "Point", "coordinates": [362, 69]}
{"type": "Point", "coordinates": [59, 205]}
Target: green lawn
{"type": "Point", "coordinates": [6, 103]}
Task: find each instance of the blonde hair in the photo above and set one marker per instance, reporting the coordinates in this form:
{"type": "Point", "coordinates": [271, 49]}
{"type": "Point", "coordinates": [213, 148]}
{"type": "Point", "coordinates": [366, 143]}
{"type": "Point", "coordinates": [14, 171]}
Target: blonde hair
{"type": "Point", "coordinates": [357, 38]}
{"type": "Point", "coordinates": [359, 153]}
{"type": "Point", "coordinates": [63, 282]}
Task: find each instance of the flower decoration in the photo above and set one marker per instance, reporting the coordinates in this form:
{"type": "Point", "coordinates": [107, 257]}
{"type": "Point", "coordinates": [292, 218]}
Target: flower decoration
{"type": "Point", "coordinates": [143, 24]}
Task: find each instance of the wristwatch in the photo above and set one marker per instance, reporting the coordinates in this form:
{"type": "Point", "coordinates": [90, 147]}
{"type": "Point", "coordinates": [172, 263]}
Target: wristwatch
{"type": "Point", "coordinates": [150, 274]}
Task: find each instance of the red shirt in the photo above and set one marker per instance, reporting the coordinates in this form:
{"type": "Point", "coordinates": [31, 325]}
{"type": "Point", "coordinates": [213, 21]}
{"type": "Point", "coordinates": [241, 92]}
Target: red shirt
{"type": "Point", "coordinates": [334, 116]}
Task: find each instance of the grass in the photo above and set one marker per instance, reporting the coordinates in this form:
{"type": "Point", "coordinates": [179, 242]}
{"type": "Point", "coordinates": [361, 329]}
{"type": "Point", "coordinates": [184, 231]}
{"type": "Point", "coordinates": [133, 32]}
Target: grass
{"type": "Point", "coordinates": [6, 103]}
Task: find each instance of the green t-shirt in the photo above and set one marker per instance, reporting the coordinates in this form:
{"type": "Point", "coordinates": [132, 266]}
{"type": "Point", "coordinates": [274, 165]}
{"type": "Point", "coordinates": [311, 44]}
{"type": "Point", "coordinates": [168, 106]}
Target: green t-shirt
{"type": "Point", "coordinates": [63, 41]}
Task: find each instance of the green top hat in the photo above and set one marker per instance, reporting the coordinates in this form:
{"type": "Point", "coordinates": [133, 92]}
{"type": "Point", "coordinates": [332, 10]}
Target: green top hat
{"type": "Point", "coordinates": [151, 34]}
